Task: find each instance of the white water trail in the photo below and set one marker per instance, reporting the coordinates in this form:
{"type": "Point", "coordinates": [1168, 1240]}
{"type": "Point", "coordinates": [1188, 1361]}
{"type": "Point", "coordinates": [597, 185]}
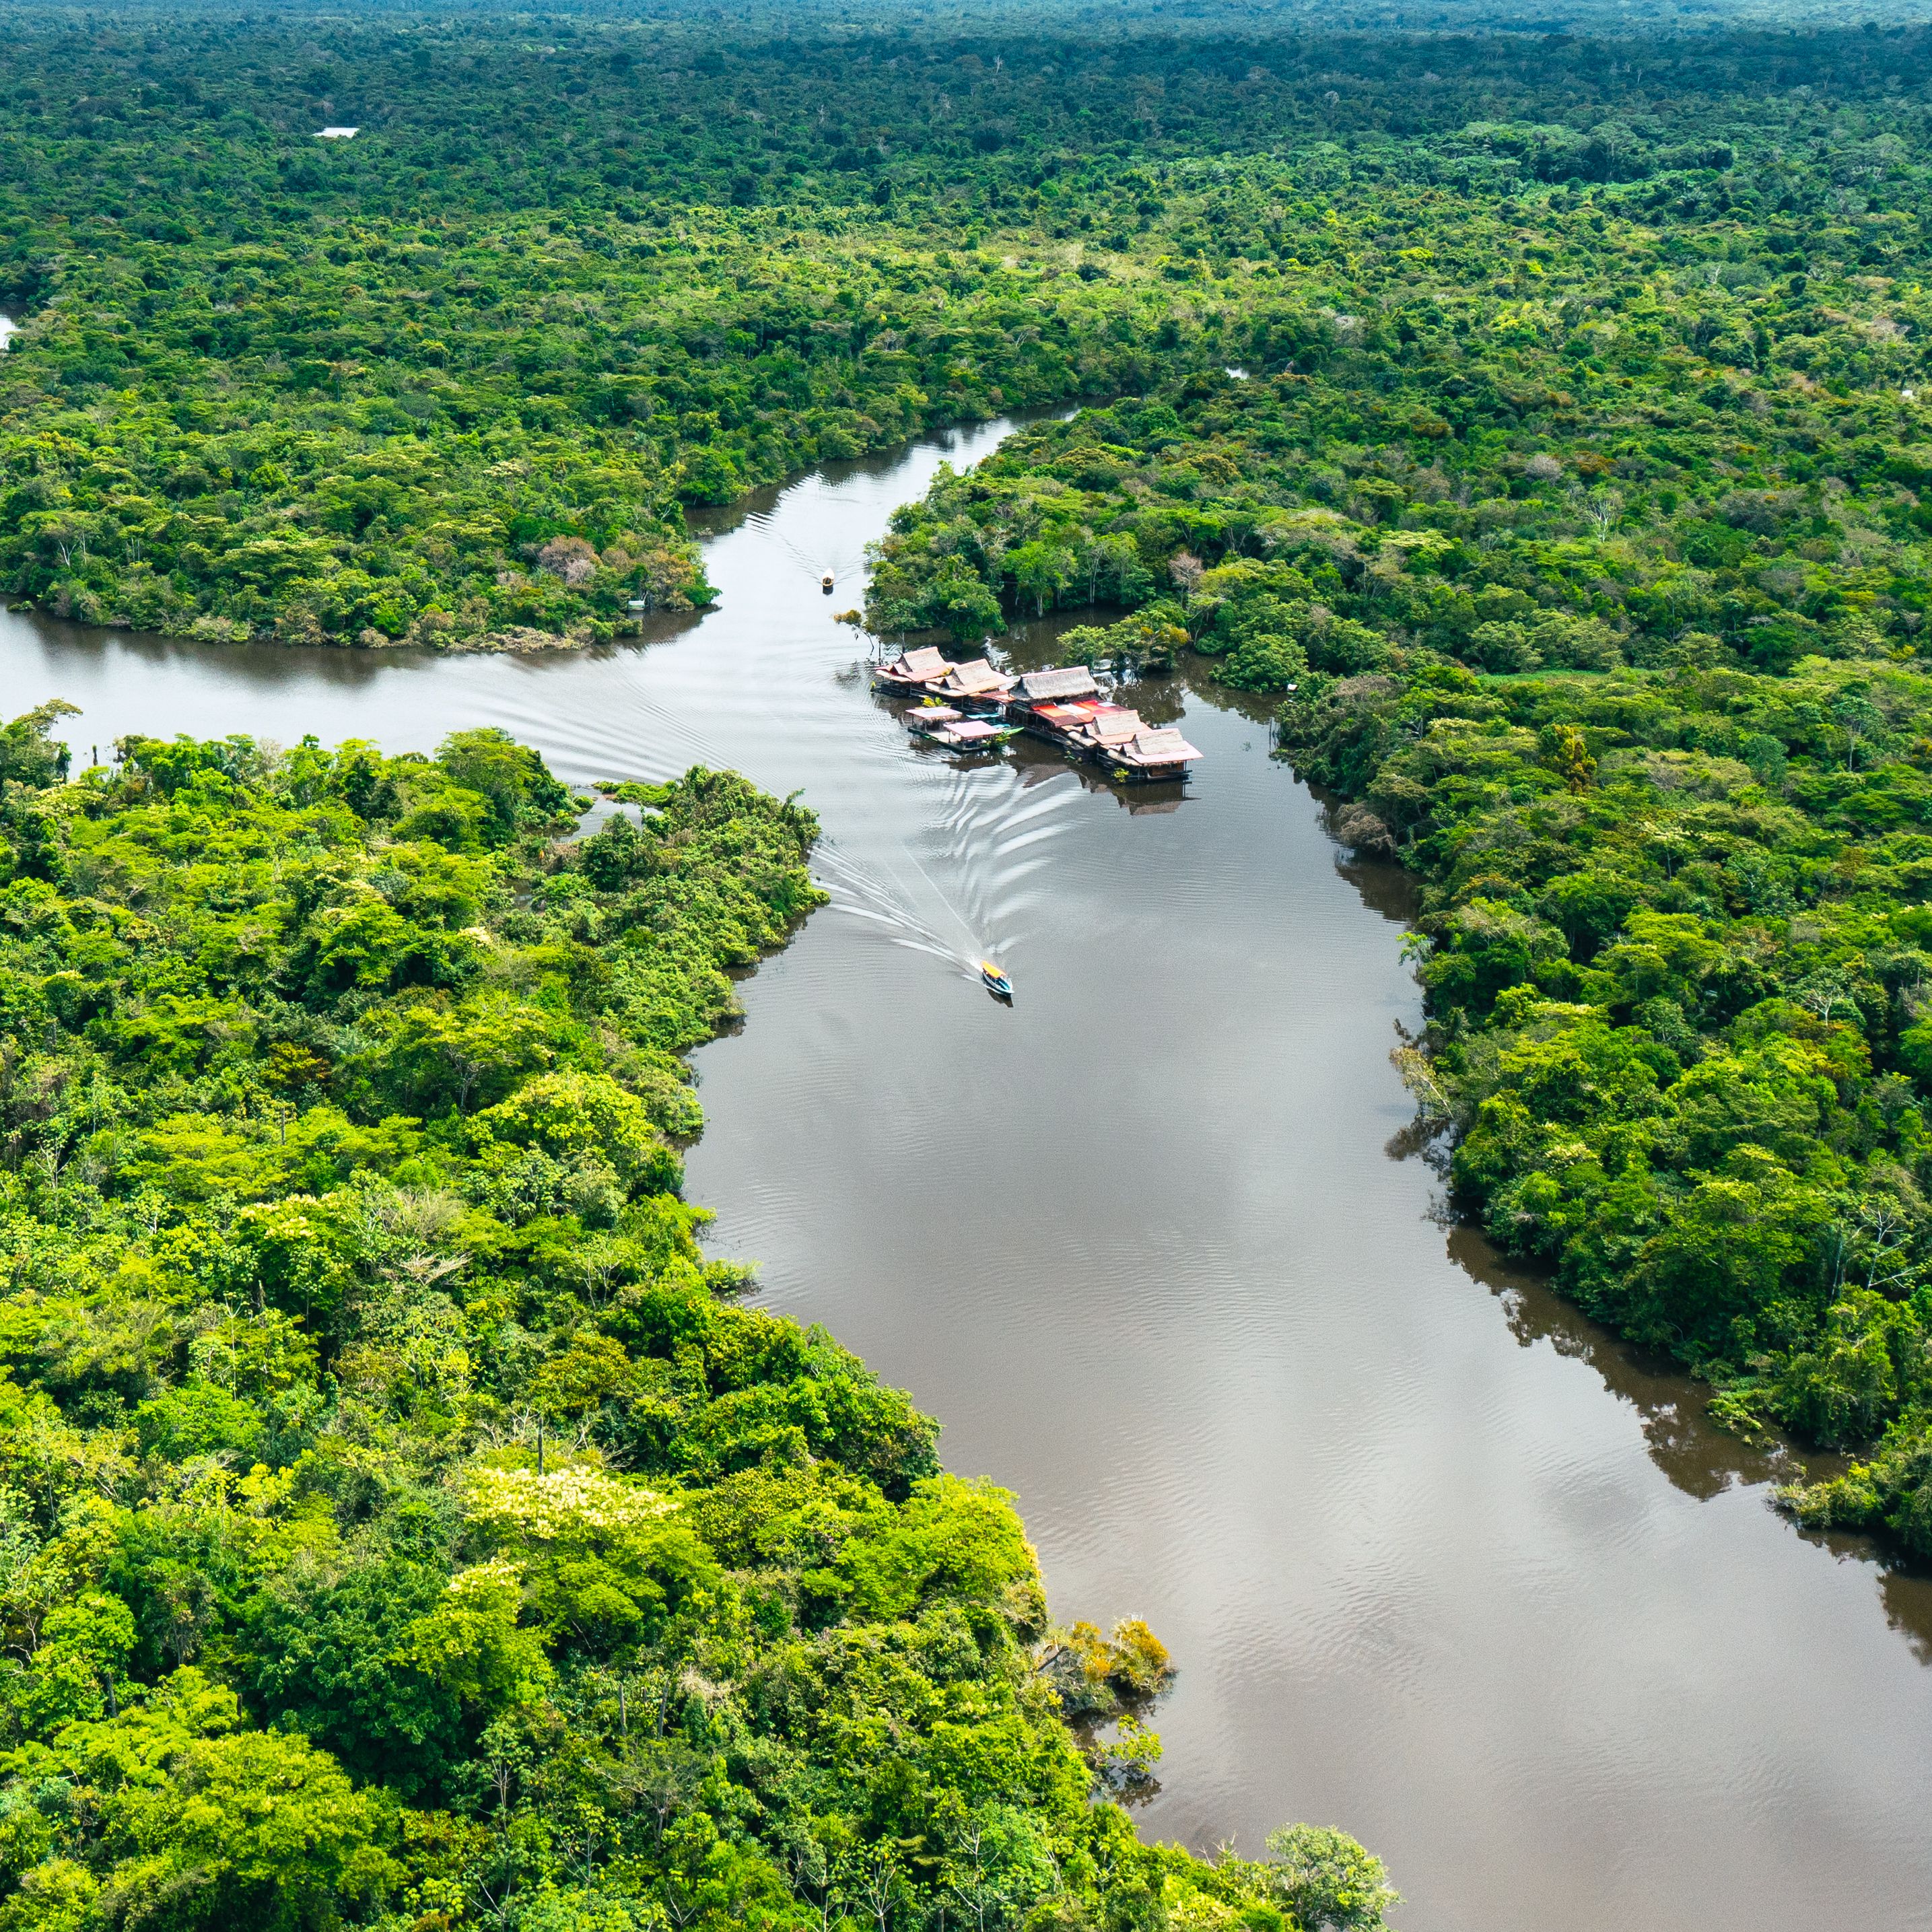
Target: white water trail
{"type": "Point", "coordinates": [867, 896]}
{"type": "Point", "coordinates": [840, 566]}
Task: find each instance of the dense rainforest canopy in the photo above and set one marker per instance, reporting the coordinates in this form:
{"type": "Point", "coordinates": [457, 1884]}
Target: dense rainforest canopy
{"type": "Point", "coordinates": [1597, 583]}
{"type": "Point", "coordinates": [455, 380]}
{"type": "Point", "coordinates": [400, 1523]}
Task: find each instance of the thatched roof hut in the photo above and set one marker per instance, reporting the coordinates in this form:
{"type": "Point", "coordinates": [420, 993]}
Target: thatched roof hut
{"type": "Point", "coordinates": [1041, 687]}
{"type": "Point", "coordinates": [1109, 726]}
{"type": "Point", "coordinates": [1155, 751]}
{"type": "Point", "coordinates": [977, 679]}
{"type": "Point", "coordinates": [912, 671]}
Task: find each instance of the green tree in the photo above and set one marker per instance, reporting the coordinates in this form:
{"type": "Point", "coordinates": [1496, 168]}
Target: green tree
{"type": "Point", "coordinates": [1327, 1880]}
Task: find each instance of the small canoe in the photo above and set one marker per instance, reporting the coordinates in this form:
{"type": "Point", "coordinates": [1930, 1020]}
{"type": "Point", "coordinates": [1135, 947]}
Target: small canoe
{"type": "Point", "coordinates": [996, 981]}
{"type": "Point", "coordinates": [825, 583]}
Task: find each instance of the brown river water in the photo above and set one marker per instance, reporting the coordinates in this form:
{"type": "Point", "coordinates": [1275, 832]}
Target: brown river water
{"type": "Point", "coordinates": [1440, 1563]}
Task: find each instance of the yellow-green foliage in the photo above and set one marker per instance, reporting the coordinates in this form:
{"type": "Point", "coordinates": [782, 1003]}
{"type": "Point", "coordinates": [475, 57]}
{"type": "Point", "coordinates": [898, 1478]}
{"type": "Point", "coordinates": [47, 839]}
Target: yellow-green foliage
{"type": "Point", "coordinates": [400, 1524]}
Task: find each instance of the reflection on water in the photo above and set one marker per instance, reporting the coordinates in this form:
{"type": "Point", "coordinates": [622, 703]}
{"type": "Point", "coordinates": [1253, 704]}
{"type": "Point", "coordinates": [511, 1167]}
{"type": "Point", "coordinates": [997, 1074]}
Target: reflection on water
{"type": "Point", "coordinates": [1700, 1459]}
{"type": "Point", "coordinates": [1441, 1564]}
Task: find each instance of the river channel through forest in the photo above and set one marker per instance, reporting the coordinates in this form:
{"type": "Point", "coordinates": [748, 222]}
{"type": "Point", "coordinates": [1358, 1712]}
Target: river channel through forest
{"type": "Point", "coordinates": [1439, 1564]}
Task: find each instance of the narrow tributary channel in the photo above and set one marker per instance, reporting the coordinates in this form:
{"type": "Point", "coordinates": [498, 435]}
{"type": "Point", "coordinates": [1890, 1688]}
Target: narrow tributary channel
{"type": "Point", "coordinates": [1438, 1564]}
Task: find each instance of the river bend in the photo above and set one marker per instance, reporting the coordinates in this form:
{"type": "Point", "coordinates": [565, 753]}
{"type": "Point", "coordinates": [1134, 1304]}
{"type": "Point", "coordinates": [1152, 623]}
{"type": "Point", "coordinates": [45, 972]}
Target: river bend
{"type": "Point", "coordinates": [1439, 1564]}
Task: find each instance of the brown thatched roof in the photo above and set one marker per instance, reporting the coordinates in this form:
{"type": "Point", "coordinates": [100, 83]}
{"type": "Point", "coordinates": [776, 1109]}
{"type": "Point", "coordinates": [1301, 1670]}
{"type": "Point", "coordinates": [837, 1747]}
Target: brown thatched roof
{"type": "Point", "coordinates": [976, 680]}
{"type": "Point", "coordinates": [1165, 747]}
{"type": "Point", "coordinates": [1111, 727]}
{"type": "Point", "coordinates": [1071, 681]}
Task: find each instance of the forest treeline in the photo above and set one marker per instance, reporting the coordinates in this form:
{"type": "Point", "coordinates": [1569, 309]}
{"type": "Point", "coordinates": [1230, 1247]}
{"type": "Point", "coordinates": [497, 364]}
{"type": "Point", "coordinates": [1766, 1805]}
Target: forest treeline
{"type": "Point", "coordinates": [1597, 586]}
{"type": "Point", "coordinates": [454, 382]}
{"type": "Point", "coordinates": [402, 1524]}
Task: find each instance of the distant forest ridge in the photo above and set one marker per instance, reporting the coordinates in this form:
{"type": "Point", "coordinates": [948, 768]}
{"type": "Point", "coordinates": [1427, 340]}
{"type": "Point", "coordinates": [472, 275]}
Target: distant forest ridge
{"type": "Point", "coordinates": [1116, 18]}
{"type": "Point", "coordinates": [1224, 80]}
{"type": "Point", "coordinates": [438, 386]}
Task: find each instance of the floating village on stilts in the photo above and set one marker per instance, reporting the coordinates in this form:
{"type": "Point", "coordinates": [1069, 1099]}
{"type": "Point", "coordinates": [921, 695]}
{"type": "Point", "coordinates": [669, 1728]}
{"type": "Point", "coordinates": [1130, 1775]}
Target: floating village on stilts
{"type": "Point", "coordinates": [972, 706]}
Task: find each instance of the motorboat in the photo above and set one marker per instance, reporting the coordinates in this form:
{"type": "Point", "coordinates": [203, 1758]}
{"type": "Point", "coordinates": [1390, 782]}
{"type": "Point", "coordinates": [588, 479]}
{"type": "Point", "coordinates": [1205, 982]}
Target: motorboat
{"type": "Point", "coordinates": [996, 982]}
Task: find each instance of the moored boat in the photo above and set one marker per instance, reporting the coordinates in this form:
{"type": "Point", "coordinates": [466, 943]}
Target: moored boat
{"type": "Point", "coordinates": [940, 725]}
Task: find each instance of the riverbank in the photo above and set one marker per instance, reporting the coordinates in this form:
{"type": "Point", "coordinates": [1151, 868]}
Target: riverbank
{"type": "Point", "coordinates": [1671, 934]}
{"type": "Point", "coordinates": [449, 1502]}
{"type": "Point", "coordinates": [1453, 1543]}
